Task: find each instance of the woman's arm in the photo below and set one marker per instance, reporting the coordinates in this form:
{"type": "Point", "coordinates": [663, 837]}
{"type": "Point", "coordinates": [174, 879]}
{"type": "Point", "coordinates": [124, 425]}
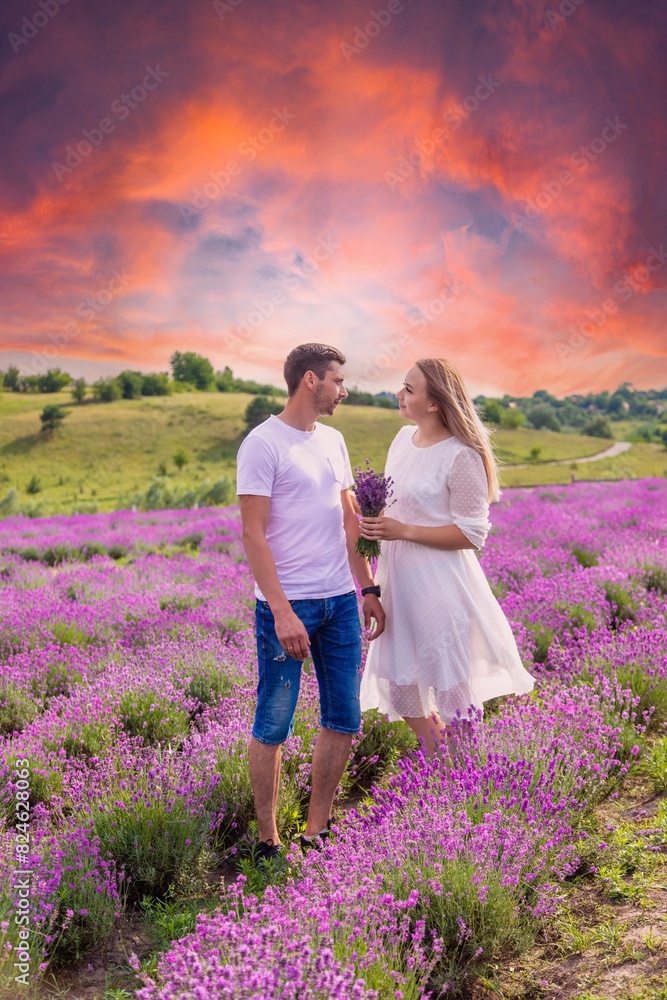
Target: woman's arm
{"type": "Point", "coordinates": [467, 486]}
{"type": "Point", "coordinates": [388, 529]}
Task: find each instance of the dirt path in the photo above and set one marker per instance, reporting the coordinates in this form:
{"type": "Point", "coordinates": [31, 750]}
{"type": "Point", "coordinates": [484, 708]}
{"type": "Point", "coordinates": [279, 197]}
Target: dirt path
{"type": "Point", "coordinates": [617, 448]}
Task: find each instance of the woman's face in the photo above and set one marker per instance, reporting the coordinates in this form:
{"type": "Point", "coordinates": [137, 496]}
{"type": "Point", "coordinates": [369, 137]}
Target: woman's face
{"type": "Point", "coordinates": [413, 401]}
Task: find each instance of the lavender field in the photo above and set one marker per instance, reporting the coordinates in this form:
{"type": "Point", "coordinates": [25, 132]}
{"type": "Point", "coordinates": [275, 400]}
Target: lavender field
{"type": "Point", "coordinates": [127, 675]}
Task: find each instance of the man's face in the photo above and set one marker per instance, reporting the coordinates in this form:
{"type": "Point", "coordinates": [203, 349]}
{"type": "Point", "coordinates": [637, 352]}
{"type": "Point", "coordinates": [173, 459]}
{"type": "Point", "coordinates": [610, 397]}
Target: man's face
{"type": "Point", "coordinates": [330, 390]}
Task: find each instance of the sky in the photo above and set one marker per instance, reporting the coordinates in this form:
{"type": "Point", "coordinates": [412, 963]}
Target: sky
{"type": "Point", "coordinates": [478, 181]}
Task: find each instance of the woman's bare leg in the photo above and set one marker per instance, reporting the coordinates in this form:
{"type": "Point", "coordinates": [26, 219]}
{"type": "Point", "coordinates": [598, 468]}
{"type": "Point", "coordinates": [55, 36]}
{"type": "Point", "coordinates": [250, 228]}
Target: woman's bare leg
{"type": "Point", "coordinates": [435, 734]}
{"type": "Point", "coordinates": [431, 730]}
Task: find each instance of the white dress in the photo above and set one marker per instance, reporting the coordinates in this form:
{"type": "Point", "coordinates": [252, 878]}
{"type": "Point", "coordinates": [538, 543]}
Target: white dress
{"type": "Point", "coordinates": [447, 644]}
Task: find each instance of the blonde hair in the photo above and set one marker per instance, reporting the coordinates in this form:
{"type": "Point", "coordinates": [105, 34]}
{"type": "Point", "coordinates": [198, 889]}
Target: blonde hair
{"type": "Point", "coordinates": [446, 389]}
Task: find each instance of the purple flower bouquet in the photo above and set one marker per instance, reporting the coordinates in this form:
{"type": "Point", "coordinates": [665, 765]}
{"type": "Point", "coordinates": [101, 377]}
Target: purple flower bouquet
{"type": "Point", "coordinates": [372, 491]}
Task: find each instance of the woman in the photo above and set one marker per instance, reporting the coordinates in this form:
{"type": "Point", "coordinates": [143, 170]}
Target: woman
{"type": "Point", "coordinates": [447, 645]}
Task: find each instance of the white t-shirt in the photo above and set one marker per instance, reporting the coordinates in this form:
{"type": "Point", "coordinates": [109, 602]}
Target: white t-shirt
{"type": "Point", "coordinates": [303, 472]}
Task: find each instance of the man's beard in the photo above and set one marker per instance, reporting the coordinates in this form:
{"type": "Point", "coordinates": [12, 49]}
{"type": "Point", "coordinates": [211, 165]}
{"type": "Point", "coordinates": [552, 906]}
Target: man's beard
{"type": "Point", "coordinates": [323, 406]}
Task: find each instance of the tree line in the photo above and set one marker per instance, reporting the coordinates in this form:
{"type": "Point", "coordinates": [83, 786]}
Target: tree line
{"type": "Point", "coordinates": [189, 371]}
{"type": "Point", "coordinates": [591, 414]}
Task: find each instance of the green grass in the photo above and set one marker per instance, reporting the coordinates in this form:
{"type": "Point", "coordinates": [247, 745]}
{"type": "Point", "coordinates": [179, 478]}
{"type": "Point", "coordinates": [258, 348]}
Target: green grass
{"type": "Point", "coordinates": [642, 461]}
{"type": "Point", "coordinates": [513, 447]}
{"type": "Point", "coordinates": [106, 450]}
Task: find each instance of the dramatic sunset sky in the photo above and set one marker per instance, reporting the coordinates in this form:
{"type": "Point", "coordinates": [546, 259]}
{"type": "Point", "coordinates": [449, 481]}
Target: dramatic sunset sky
{"type": "Point", "coordinates": [481, 181]}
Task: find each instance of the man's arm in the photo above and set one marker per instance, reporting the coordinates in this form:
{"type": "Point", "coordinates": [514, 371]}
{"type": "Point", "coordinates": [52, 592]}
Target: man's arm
{"type": "Point", "coordinates": [371, 607]}
{"type": "Point", "coordinates": [290, 630]}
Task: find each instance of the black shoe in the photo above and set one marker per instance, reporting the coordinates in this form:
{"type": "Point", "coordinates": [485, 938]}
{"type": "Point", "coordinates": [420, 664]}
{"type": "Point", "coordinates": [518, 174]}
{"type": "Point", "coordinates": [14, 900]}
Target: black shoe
{"type": "Point", "coordinates": [318, 840]}
{"type": "Point", "coordinates": [266, 850]}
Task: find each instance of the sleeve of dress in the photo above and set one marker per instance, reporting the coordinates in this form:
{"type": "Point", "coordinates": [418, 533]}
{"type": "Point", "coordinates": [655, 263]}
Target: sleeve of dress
{"type": "Point", "coordinates": [468, 491]}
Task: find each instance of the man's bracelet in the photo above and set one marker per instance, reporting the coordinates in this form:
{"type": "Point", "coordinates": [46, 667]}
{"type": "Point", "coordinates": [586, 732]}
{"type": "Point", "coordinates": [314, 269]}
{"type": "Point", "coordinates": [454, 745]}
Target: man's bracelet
{"type": "Point", "coordinates": [371, 590]}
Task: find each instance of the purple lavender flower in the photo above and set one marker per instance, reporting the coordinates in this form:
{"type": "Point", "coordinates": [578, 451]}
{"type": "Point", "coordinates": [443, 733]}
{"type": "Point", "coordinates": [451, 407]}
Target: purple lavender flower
{"type": "Point", "coordinates": [372, 491]}
{"type": "Point", "coordinates": [129, 685]}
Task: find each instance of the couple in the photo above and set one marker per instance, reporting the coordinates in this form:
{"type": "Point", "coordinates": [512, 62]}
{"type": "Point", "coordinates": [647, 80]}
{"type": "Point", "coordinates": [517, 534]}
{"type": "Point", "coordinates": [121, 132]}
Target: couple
{"type": "Point", "coordinates": [441, 641]}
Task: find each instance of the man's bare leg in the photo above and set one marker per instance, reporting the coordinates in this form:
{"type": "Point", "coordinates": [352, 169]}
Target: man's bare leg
{"type": "Point", "coordinates": [330, 756]}
{"type": "Point", "coordinates": [264, 763]}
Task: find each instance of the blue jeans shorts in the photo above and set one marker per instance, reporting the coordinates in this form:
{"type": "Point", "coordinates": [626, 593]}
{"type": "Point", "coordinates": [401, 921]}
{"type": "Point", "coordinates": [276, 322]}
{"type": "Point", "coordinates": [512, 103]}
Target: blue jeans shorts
{"type": "Point", "coordinates": [334, 629]}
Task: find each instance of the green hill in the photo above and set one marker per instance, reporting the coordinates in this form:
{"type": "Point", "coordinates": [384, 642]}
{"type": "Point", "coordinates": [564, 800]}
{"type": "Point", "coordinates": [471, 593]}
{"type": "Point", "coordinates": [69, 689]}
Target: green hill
{"type": "Point", "coordinates": [107, 451]}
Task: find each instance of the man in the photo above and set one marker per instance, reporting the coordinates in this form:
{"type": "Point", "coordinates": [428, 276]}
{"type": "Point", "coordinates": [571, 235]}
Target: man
{"type": "Point", "coordinates": [299, 533]}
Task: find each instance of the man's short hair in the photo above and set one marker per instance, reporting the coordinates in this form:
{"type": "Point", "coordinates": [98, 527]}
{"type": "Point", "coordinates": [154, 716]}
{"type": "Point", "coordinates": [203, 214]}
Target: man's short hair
{"type": "Point", "coordinates": [317, 358]}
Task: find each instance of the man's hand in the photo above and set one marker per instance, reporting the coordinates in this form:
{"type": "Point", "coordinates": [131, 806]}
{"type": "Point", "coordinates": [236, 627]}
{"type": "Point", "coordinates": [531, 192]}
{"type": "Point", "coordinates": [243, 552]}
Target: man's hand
{"type": "Point", "coordinates": [373, 609]}
{"type": "Point", "coordinates": [292, 635]}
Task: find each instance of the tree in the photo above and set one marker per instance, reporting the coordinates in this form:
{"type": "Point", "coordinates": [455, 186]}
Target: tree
{"type": "Point", "coordinates": [663, 436]}
{"type": "Point", "coordinates": [2, 382]}
{"type": "Point", "coordinates": [259, 410]}
{"type": "Point", "coordinates": [597, 427]}
{"type": "Point", "coordinates": [513, 417]}
{"type": "Point", "coordinates": [34, 485]}
{"type": "Point", "coordinates": [572, 415]}
{"type": "Point", "coordinates": [131, 384]}
{"type": "Point", "coordinates": [156, 384]}
{"type": "Point", "coordinates": [645, 433]}
{"type": "Point", "coordinates": [181, 458]}
{"type": "Point", "coordinates": [52, 417]}
{"type": "Point", "coordinates": [542, 396]}
{"type": "Point", "coordinates": [107, 390]}
{"type": "Point", "coordinates": [79, 390]}
{"type": "Point", "coordinates": [193, 368]}
{"type": "Point", "coordinates": [225, 380]}
{"type": "Point", "coordinates": [543, 416]}
{"type": "Point", "coordinates": [12, 378]}
{"type": "Point", "coordinates": [258, 388]}
{"type": "Point", "coordinates": [618, 404]}
{"type": "Point", "coordinates": [492, 412]}
{"type": "Point", "coordinates": [9, 505]}
{"type": "Point", "coordinates": [53, 381]}
{"type": "Point", "coordinates": [356, 398]}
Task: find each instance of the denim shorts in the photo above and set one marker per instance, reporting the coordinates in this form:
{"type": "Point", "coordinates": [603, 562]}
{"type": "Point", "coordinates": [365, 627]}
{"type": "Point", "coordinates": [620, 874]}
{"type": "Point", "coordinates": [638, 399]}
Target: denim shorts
{"type": "Point", "coordinates": [334, 629]}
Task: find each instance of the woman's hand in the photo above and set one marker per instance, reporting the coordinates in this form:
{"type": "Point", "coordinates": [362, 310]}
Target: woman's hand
{"type": "Point", "coordinates": [382, 529]}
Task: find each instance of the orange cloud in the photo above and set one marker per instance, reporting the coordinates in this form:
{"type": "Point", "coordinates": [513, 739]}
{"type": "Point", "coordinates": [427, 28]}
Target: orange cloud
{"type": "Point", "coordinates": [430, 163]}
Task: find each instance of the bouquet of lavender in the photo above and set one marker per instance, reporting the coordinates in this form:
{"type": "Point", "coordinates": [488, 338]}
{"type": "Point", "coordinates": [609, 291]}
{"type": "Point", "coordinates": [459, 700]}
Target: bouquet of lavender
{"type": "Point", "coordinates": [372, 491]}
